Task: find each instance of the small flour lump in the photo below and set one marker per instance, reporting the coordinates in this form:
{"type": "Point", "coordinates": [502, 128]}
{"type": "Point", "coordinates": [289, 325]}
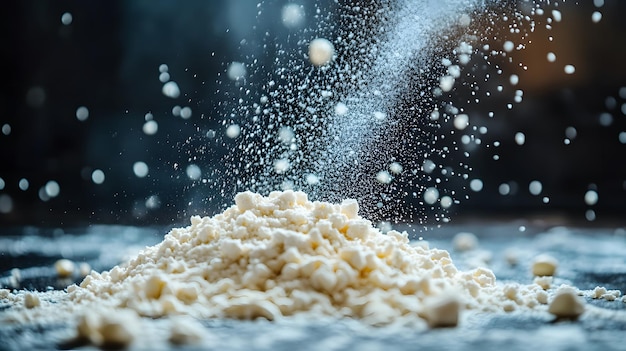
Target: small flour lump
{"type": "Point", "coordinates": [566, 304]}
{"type": "Point", "coordinates": [544, 265]}
{"type": "Point", "coordinates": [282, 255]}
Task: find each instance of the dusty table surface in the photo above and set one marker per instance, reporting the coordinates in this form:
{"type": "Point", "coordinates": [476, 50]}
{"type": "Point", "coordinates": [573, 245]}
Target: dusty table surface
{"type": "Point", "coordinates": [588, 257]}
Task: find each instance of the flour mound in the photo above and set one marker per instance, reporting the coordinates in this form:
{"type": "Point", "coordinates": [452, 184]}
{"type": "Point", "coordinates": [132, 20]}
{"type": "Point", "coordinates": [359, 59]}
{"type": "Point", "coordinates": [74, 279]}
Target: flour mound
{"type": "Point", "coordinates": [284, 255]}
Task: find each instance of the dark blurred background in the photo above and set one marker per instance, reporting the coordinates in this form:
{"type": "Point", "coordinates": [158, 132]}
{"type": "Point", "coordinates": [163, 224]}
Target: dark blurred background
{"type": "Point", "coordinates": [62, 165]}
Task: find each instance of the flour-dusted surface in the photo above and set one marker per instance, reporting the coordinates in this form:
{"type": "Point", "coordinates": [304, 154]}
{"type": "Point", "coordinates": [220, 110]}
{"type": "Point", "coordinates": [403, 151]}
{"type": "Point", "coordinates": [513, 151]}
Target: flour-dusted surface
{"type": "Point", "coordinates": [177, 280]}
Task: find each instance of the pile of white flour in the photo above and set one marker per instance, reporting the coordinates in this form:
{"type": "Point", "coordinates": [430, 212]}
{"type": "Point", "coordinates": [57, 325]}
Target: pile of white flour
{"type": "Point", "coordinates": [283, 254]}
{"type": "Point", "coordinates": [276, 256]}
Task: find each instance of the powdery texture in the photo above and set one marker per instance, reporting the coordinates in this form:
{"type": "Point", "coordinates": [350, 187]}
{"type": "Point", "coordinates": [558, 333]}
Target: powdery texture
{"type": "Point", "coordinates": [283, 255]}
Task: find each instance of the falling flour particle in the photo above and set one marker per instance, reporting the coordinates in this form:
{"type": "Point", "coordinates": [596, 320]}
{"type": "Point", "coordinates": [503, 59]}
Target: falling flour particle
{"type": "Point", "coordinates": [569, 69]}
{"type": "Point", "coordinates": [341, 109]}
{"type": "Point", "coordinates": [150, 127]}
{"type": "Point", "coordinates": [508, 46]}
{"type": "Point", "coordinates": [140, 169]}
{"type": "Point", "coordinates": [171, 90]}
{"type": "Point", "coordinates": [312, 179]}
{"type": "Point", "coordinates": [476, 185]}
{"type": "Point", "coordinates": [535, 187]}
{"type": "Point", "coordinates": [461, 121]}
{"type": "Point", "coordinates": [446, 201]}
{"type": "Point", "coordinates": [395, 168]}
{"type": "Point", "coordinates": [383, 177]}
{"type": "Point", "coordinates": [281, 166]}
{"type": "Point", "coordinates": [596, 16]}
{"type": "Point", "coordinates": [431, 195]}
{"type": "Point", "coordinates": [64, 267]}
{"type": "Point", "coordinates": [233, 131]}
{"type": "Point", "coordinates": [321, 51]}
{"type": "Point", "coordinates": [446, 83]}
{"type": "Point", "coordinates": [292, 15]}
{"type": "Point", "coordinates": [82, 113]}
{"type": "Point", "coordinates": [380, 116]}
{"type": "Point", "coordinates": [591, 197]}
{"type": "Point", "coordinates": [236, 71]}
{"type": "Point", "coordinates": [66, 18]}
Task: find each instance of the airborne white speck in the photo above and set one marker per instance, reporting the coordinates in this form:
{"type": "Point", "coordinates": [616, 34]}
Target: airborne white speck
{"type": "Point", "coordinates": [508, 46]}
{"type": "Point", "coordinates": [383, 177]}
{"type": "Point", "coordinates": [66, 18]}
{"type": "Point", "coordinates": [476, 185]}
{"type": "Point", "coordinates": [140, 169]}
{"type": "Point", "coordinates": [23, 184]}
{"type": "Point", "coordinates": [520, 138]}
{"type": "Point", "coordinates": [431, 195]}
{"type": "Point", "coordinates": [97, 176]}
{"type": "Point", "coordinates": [150, 127]}
{"type": "Point", "coordinates": [321, 51]}
{"type": "Point", "coordinates": [292, 15]}
{"type": "Point", "coordinates": [171, 89]}
{"type": "Point", "coordinates": [596, 16]}
{"type": "Point", "coordinates": [185, 112]}
{"type": "Point", "coordinates": [535, 187]}
{"type": "Point", "coordinates": [341, 109]}
{"type": "Point", "coordinates": [193, 171]}
{"type": "Point", "coordinates": [52, 188]}
{"type": "Point", "coordinates": [236, 71]}
{"type": "Point", "coordinates": [395, 168]}
{"type": "Point", "coordinates": [461, 121]}
{"type": "Point", "coordinates": [233, 131]}
{"type": "Point", "coordinates": [591, 197]}
{"type": "Point", "coordinates": [82, 113]}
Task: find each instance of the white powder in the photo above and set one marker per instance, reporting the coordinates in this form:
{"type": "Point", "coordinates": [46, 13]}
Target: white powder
{"type": "Point", "coordinates": [282, 255]}
{"type": "Point", "coordinates": [278, 256]}
{"type": "Point", "coordinates": [273, 257]}
{"type": "Point", "coordinates": [600, 292]}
